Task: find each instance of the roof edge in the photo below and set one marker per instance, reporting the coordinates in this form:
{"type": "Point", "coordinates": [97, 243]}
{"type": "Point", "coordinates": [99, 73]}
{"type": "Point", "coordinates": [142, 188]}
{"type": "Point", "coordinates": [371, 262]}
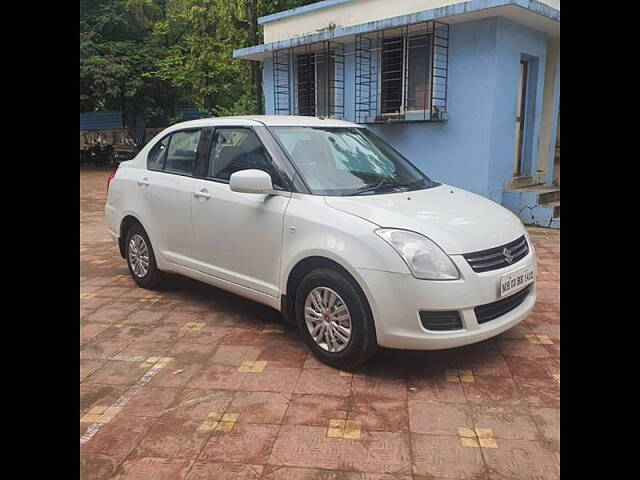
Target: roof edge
{"type": "Point", "coordinates": [533, 6]}
{"type": "Point", "coordinates": [300, 10]}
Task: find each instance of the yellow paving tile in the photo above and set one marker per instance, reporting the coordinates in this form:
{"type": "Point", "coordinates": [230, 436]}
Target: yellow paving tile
{"type": "Point", "coordinates": [218, 421]}
{"type": "Point", "coordinates": [466, 376]}
{"type": "Point", "coordinates": [336, 428]}
{"type": "Point", "coordinates": [539, 339]}
{"type": "Point", "coordinates": [484, 433]}
{"type": "Point", "coordinates": [253, 367]}
{"type": "Point", "coordinates": [478, 437]}
{"type": "Point", "coordinates": [488, 442]}
{"type": "Point", "coordinates": [192, 326]}
{"type": "Point", "coordinates": [344, 428]}
{"type": "Point", "coordinates": [353, 429]}
{"type": "Point", "coordinates": [455, 376]}
{"type": "Point", "coordinates": [466, 432]}
{"type": "Point", "coordinates": [100, 414]}
{"type": "Point", "coordinates": [469, 442]}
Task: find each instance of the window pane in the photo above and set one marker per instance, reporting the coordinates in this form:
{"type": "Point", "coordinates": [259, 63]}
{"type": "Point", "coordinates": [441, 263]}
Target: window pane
{"type": "Point", "coordinates": [325, 76]}
{"type": "Point", "coordinates": [157, 154]}
{"type": "Point", "coordinates": [181, 156]}
{"type": "Point", "coordinates": [419, 64]}
{"type": "Point", "coordinates": [391, 75]}
{"type": "Point", "coordinates": [235, 149]}
{"type": "Point", "coordinates": [306, 74]}
{"type": "Point", "coordinates": [315, 84]}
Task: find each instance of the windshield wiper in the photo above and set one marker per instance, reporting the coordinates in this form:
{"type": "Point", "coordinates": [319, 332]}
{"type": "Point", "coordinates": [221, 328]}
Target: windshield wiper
{"type": "Point", "coordinates": [372, 188]}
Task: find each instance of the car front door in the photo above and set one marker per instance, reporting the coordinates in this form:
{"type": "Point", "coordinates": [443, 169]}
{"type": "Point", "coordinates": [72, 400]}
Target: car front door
{"type": "Point", "coordinates": [165, 191]}
{"type": "Point", "coordinates": [239, 235]}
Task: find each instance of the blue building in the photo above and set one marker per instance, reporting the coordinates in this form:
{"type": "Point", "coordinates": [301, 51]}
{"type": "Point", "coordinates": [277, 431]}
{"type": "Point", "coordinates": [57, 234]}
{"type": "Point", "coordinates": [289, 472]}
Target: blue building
{"type": "Point", "coordinates": [467, 90]}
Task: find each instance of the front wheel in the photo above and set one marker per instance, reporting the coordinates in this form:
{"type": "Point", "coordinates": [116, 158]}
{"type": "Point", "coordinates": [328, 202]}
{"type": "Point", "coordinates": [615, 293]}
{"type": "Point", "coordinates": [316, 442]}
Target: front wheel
{"type": "Point", "coordinates": [334, 319]}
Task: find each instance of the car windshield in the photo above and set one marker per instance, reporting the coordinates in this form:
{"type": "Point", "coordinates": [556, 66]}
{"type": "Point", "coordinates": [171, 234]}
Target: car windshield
{"type": "Point", "coordinates": [348, 161]}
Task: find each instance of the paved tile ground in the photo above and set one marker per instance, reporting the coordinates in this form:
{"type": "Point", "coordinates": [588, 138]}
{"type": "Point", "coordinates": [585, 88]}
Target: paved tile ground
{"type": "Point", "coordinates": [192, 383]}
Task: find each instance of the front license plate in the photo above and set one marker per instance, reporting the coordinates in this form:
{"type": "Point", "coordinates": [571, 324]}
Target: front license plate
{"type": "Point", "coordinates": [514, 281]}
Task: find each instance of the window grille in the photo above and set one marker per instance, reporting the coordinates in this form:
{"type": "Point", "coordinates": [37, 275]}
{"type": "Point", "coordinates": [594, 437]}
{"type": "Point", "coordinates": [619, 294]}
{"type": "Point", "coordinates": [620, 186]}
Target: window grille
{"type": "Point", "coordinates": [309, 80]}
{"type": "Point", "coordinates": [401, 74]}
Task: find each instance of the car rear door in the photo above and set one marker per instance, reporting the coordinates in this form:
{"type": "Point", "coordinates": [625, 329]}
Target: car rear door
{"type": "Point", "coordinates": [165, 191]}
{"type": "Point", "coordinates": [239, 235]}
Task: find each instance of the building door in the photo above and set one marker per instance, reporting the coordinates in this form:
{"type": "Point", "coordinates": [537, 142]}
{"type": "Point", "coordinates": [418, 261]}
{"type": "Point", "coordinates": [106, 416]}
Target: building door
{"type": "Point", "coordinates": [556, 160]}
{"type": "Point", "coordinates": [520, 117]}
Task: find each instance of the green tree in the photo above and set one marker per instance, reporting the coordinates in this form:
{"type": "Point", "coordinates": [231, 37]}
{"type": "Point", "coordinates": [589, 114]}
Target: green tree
{"type": "Point", "coordinates": [146, 56]}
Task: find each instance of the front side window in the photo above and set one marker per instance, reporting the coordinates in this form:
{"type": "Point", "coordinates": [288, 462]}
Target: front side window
{"type": "Point", "coordinates": [348, 161]}
{"type": "Point", "coordinates": [235, 149]}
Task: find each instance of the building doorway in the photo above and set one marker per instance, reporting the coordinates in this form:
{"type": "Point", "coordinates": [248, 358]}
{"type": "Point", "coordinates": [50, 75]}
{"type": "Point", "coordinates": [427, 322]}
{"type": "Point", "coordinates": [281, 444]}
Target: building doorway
{"type": "Point", "coordinates": [521, 109]}
{"type": "Point", "coordinates": [556, 159]}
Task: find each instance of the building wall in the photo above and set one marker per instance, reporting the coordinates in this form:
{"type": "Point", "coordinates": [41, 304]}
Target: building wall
{"type": "Point", "coordinates": [513, 42]}
{"type": "Point", "coordinates": [474, 148]}
{"type": "Point", "coordinates": [340, 13]}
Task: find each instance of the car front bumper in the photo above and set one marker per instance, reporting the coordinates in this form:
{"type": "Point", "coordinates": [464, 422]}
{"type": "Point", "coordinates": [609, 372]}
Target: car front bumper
{"type": "Point", "coordinates": [396, 300]}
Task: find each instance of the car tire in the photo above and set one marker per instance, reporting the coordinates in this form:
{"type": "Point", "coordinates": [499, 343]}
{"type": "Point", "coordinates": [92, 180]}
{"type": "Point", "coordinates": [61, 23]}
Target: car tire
{"type": "Point", "coordinates": [138, 240]}
{"type": "Point", "coordinates": [361, 344]}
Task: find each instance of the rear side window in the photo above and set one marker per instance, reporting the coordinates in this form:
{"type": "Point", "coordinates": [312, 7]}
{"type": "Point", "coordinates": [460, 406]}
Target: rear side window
{"type": "Point", "coordinates": [181, 155]}
{"type": "Point", "coordinates": [175, 153]}
{"type": "Point", "coordinates": [157, 155]}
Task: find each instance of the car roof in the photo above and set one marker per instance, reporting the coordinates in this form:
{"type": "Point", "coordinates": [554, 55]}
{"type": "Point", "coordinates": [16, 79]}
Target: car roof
{"type": "Point", "coordinates": [268, 120]}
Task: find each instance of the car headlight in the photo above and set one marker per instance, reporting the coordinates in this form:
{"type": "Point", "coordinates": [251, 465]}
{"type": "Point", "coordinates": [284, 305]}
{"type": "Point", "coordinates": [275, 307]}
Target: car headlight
{"type": "Point", "coordinates": [425, 259]}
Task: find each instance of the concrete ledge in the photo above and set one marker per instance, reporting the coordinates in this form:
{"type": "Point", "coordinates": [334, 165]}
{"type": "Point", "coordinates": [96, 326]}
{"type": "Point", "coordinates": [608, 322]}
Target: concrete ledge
{"type": "Point", "coordinates": [258, 52]}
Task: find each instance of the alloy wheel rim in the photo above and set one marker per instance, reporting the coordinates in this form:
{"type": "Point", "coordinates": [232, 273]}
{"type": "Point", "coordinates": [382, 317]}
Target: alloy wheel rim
{"type": "Point", "coordinates": [138, 256]}
{"type": "Point", "coordinates": [328, 319]}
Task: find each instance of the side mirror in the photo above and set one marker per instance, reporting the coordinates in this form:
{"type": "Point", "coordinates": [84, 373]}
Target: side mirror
{"type": "Point", "coordinates": [251, 181]}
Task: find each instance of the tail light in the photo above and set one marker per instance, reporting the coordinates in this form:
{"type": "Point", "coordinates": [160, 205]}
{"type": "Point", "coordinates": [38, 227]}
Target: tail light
{"type": "Point", "coordinates": [113, 174]}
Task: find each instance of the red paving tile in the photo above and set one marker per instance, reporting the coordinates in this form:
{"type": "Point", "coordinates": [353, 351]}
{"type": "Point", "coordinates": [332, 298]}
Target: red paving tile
{"type": "Point", "coordinates": [245, 443]}
{"type": "Point", "coordinates": [409, 411]}
{"type": "Point", "coordinates": [172, 437]}
{"type": "Point", "coordinates": [315, 410]}
{"type": "Point", "coordinates": [224, 471]}
{"type": "Point", "coordinates": [445, 457]}
{"type": "Point", "coordinates": [154, 469]}
{"type": "Point", "coordinates": [521, 459]}
{"type": "Point", "coordinates": [298, 446]}
{"type": "Point", "coordinates": [260, 407]}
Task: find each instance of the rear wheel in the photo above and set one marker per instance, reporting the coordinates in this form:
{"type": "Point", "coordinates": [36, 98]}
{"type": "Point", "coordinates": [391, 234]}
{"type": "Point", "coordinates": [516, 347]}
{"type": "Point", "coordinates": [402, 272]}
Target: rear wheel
{"type": "Point", "coordinates": [334, 319]}
{"type": "Point", "coordinates": [141, 259]}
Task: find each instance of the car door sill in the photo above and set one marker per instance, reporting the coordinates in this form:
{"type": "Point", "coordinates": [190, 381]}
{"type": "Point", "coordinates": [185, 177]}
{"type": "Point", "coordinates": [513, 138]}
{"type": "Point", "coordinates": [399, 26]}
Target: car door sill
{"type": "Point", "coordinates": [226, 285]}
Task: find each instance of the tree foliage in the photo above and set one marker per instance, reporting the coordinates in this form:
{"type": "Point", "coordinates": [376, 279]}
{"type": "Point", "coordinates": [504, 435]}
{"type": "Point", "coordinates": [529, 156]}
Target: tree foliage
{"type": "Point", "coordinates": [146, 56]}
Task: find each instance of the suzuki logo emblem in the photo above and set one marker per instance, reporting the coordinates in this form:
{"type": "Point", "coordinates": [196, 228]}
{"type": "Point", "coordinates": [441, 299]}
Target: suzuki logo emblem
{"type": "Point", "coordinates": [507, 255]}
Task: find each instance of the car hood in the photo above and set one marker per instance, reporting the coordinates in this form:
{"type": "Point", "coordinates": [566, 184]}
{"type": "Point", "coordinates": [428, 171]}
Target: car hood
{"type": "Point", "coordinates": [457, 220]}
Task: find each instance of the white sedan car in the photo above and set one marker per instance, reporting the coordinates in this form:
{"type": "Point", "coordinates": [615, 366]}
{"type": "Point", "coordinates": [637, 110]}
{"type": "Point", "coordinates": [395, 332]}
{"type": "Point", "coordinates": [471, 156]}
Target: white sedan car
{"type": "Point", "coordinates": [325, 222]}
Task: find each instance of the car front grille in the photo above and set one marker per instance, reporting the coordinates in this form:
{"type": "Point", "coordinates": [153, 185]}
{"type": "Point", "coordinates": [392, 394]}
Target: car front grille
{"type": "Point", "coordinates": [441, 320]}
{"type": "Point", "coordinates": [490, 311]}
{"type": "Point", "coordinates": [498, 257]}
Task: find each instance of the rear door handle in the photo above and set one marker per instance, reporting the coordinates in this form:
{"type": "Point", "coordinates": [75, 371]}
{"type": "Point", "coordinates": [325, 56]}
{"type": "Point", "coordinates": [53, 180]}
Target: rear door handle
{"type": "Point", "coordinates": [144, 182]}
{"type": "Point", "coordinates": [202, 194]}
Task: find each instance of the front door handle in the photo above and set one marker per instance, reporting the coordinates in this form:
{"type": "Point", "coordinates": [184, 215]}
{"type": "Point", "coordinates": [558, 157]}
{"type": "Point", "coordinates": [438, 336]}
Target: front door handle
{"type": "Point", "coordinates": [144, 182]}
{"type": "Point", "coordinates": [202, 194]}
